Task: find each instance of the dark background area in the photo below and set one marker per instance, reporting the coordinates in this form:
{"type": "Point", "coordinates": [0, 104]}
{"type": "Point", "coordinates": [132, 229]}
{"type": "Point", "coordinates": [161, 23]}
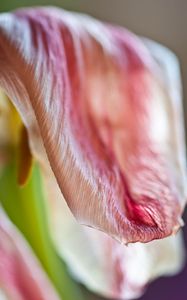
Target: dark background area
{"type": "Point", "coordinates": [164, 21]}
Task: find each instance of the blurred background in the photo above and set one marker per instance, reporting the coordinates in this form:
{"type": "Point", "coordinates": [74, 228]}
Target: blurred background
{"type": "Point", "coordinates": [163, 21]}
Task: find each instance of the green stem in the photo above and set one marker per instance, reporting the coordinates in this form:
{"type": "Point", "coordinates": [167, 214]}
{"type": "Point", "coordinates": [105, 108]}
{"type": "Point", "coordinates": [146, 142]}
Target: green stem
{"type": "Point", "coordinates": [26, 208]}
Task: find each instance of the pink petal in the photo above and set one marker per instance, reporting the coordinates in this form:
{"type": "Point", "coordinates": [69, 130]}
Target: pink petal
{"type": "Point", "coordinates": [101, 263]}
{"type": "Point", "coordinates": [104, 114]}
{"type": "Point", "coordinates": [21, 275]}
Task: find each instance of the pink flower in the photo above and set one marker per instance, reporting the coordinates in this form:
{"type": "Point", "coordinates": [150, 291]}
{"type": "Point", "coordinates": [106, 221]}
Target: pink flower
{"type": "Point", "coordinates": [106, 108]}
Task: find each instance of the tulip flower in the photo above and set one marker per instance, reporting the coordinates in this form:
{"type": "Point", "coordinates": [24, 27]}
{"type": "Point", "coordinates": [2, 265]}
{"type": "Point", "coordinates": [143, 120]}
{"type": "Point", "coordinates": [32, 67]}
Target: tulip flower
{"type": "Point", "coordinates": [99, 111]}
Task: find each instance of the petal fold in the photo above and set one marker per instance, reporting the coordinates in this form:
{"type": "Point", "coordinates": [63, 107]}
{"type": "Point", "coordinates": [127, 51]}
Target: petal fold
{"type": "Point", "coordinates": [102, 264]}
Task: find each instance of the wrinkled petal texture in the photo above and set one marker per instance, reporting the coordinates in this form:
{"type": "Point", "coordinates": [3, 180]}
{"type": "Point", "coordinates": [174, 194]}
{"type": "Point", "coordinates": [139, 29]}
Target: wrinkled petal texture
{"type": "Point", "coordinates": [110, 123]}
{"type": "Point", "coordinates": [102, 264]}
{"type": "Point", "coordinates": [21, 276]}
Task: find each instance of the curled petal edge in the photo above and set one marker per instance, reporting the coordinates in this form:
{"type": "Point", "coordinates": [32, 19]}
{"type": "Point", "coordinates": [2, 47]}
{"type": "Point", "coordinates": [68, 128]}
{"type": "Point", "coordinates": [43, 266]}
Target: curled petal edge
{"type": "Point", "coordinates": [97, 120]}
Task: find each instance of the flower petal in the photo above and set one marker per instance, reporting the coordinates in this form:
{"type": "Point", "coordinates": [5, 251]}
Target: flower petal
{"type": "Point", "coordinates": [170, 74]}
{"type": "Point", "coordinates": [95, 93]}
{"type": "Point", "coordinates": [21, 275]}
{"type": "Point", "coordinates": [2, 295]}
{"type": "Point", "coordinates": [102, 264]}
